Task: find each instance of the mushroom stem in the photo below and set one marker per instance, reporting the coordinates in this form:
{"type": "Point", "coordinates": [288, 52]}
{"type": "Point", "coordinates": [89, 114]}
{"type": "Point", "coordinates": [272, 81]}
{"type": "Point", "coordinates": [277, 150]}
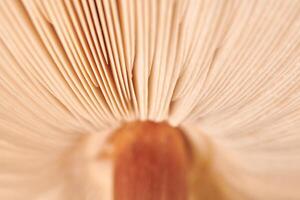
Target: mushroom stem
{"type": "Point", "coordinates": [151, 162]}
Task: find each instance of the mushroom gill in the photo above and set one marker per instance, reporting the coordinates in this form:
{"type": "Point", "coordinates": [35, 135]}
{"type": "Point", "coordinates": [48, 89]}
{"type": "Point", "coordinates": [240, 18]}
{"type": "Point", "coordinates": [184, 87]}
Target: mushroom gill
{"type": "Point", "coordinates": [149, 99]}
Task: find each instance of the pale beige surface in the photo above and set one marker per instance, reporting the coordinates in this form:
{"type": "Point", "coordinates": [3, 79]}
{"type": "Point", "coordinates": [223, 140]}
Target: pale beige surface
{"type": "Point", "coordinates": [228, 69]}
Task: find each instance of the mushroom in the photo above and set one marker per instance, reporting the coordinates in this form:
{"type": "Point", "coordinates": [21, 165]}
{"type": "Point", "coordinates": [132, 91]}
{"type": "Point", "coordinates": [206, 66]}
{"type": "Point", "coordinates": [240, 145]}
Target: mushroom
{"type": "Point", "coordinates": [149, 100]}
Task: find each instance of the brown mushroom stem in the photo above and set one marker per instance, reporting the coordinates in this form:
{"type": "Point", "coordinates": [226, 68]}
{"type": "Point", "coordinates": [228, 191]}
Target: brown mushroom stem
{"type": "Point", "coordinates": [151, 163]}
